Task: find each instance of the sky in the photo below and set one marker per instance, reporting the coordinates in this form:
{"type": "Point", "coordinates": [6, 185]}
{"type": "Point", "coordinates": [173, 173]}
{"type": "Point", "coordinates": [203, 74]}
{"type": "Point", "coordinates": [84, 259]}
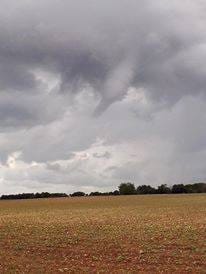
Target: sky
{"type": "Point", "coordinates": [94, 93]}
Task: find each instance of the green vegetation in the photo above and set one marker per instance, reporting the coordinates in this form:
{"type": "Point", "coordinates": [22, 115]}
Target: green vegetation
{"type": "Point", "coordinates": [127, 189]}
{"type": "Point", "coordinates": [124, 189]}
{"type": "Point", "coordinates": [33, 196]}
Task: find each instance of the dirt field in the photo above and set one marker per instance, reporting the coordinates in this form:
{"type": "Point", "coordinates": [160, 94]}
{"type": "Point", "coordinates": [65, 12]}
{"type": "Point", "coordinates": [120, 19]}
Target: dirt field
{"type": "Point", "coordinates": [128, 234]}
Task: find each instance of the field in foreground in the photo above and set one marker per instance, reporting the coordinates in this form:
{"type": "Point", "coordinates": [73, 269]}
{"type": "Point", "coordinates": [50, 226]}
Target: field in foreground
{"type": "Point", "coordinates": [128, 234]}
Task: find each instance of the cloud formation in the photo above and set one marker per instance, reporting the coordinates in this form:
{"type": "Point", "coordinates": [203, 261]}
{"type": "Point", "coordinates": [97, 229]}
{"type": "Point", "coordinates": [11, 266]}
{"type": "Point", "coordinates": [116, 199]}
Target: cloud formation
{"type": "Point", "coordinates": [96, 92]}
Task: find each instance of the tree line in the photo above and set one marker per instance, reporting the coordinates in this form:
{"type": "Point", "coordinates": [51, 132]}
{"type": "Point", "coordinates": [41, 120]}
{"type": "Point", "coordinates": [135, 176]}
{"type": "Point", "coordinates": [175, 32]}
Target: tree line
{"type": "Point", "coordinates": [32, 196]}
{"type": "Point", "coordinates": [129, 189]}
{"type": "Point", "coordinates": [123, 189]}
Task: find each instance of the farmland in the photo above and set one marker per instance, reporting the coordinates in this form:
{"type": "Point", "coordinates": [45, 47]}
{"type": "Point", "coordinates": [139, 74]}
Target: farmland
{"type": "Point", "coordinates": [122, 234]}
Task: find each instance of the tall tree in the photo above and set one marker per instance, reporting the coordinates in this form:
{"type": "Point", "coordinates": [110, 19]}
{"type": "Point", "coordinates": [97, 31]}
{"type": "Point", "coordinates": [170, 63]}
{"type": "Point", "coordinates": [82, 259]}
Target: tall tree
{"type": "Point", "coordinates": [127, 189]}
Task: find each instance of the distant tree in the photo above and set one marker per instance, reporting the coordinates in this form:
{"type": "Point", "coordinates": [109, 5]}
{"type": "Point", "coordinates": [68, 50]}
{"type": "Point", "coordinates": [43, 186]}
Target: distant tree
{"type": "Point", "coordinates": [116, 192]}
{"type": "Point", "coordinates": [78, 194]}
{"type": "Point", "coordinates": [45, 194]}
{"type": "Point", "coordinates": [96, 193]}
{"type": "Point", "coordinates": [163, 189]}
{"type": "Point", "coordinates": [179, 188]}
{"type": "Point", "coordinates": [146, 189]}
{"type": "Point", "coordinates": [196, 188]}
{"type": "Point", "coordinates": [124, 189]}
{"type": "Point", "coordinates": [200, 187]}
{"type": "Point", "coordinates": [127, 189]}
{"type": "Point", "coordinates": [190, 188]}
{"type": "Point", "coordinates": [111, 193]}
{"type": "Point", "coordinates": [32, 196]}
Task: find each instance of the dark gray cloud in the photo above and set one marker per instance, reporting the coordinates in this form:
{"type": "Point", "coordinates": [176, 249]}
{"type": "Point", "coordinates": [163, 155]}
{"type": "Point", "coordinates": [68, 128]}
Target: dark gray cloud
{"type": "Point", "coordinates": [108, 46]}
{"type": "Point", "coordinates": [101, 81]}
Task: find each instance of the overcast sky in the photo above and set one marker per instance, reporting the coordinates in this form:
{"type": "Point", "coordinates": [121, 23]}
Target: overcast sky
{"type": "Point", "coordinates": [94, 93]}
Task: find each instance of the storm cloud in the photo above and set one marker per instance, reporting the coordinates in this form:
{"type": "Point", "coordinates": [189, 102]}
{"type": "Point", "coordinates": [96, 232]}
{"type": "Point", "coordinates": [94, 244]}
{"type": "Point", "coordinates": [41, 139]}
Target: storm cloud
{"type": "Point", "coordinates": [96, 92]}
